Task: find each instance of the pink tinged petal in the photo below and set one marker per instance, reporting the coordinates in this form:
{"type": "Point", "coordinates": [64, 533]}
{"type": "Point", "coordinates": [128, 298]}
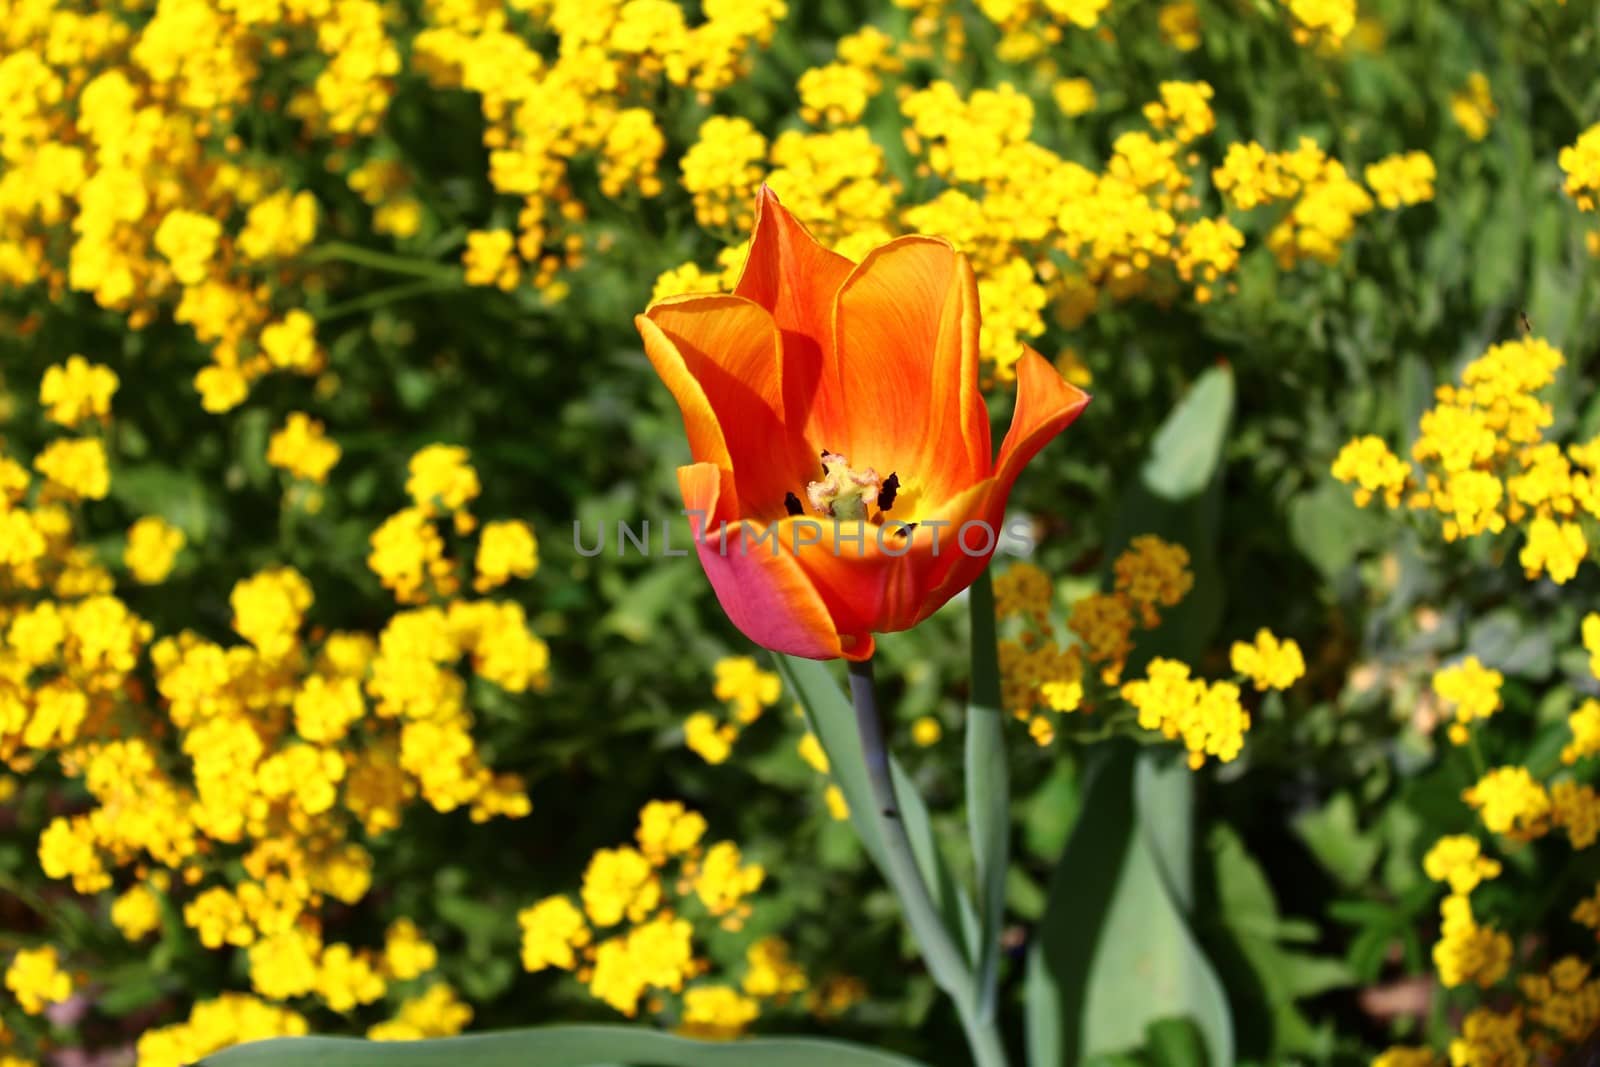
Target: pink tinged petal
{"type": "Point", "coordinates": [766, 594]}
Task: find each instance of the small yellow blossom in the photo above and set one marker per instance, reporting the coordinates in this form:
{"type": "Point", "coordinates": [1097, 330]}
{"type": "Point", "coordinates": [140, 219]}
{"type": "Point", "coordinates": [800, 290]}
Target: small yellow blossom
{"type": "Point", "coordinates": [552, 932]}
{"type": "Point", "coordinates": [301, 448]}
{"type": "Point", "coordinates": [152, 548]}
{"type": "Point", "coordinates": [36, 979]}
{"type": "Point", "coordinates": [1401, 180]}
{"type": "Point", "coordinates": [1510, 802]}
{"type": "Point", "coordinates": [1459, 860]}
{"type": "Point", "coordinates": [1269, 662]}
{"type": "Point", "coordinates": [77, 390]}
{"type": "Point", "coordinates": [76, 468]}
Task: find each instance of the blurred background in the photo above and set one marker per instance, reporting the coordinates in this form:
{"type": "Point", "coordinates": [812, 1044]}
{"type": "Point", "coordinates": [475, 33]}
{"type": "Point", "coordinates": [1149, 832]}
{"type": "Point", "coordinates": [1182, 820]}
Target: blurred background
{"type": "Point", "coordinates": [306, 751]}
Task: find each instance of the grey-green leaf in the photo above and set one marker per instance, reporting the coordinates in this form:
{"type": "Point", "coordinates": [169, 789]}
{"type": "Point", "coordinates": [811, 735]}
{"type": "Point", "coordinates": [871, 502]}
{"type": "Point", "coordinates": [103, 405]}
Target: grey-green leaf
{"type": "Point", "coordinates": [555, 1046]}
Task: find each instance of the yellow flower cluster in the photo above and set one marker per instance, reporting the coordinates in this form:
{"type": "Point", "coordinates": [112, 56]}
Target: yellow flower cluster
{"type": "Point", "coordinates": [1553, 1009]}
{"type": "Point", "coordinates": [241, 791]}
{"type": "Point", "coordinates": [746, 691]}
{"type": "Point", "coordinates": [36, 979]}
{"type": "Point", "coordinates": [1321, 23]}
{"type": "Point", "coordinates": [541, 114]}
{"type": "Point", "coordinates": [1473, 107]}
{"type": "Point", "coordinates": [1018, 209]}
{"type": "Point", "coordinates": [126, 180]}
{"type": "Point", "coordinates": [1486, 464]}
{"type": "Point", "coordinates": [1472, 689]}
{"type": "Point", "coordinates": [1207, 717]}
{"type": "Point", "coordinates": [1268, 662]}
{"type": "Point", "coordinates": [631, 937]}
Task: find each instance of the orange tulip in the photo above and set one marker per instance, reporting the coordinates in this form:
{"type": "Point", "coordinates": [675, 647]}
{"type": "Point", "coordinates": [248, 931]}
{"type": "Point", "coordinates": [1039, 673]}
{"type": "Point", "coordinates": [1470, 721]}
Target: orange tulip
{"type": "Point", "coordinates": [843, 481]}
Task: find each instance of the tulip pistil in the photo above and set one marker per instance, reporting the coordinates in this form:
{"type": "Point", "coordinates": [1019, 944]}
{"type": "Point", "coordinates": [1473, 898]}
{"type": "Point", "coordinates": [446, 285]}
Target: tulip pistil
{"type": "Point", "coordinates": [846, 493]}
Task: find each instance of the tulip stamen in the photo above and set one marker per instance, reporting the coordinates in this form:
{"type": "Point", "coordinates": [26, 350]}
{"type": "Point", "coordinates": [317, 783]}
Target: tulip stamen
{"type": "Point", "coordinates": [891, 486]}
{"type": "Point", "coordinates": [845, 493]}
{"type": "Point", "coordinates": [792, 505]}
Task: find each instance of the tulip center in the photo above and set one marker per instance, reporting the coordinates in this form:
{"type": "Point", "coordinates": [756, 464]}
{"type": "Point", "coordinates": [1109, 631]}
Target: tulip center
{"type": "Point", "coordinates": [846, 493]}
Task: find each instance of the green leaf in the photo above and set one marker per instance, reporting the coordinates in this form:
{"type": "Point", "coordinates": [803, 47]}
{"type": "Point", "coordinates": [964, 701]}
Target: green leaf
{"type": "Point", "coordinates": [1178, 497]}
{"type": "Point", "coordinates": [1265, 978]}
{"type": "Point", "coordinates": [1185, 451]}
{"type": "Point", "coordinates": [1337, 841]}
{"type": "Point", "coordinates": [988, 791]}
{"type": "Point", "coordinates": [833, 720]}
{"type": "Point", "coordinates": [555, 1046]}
{"type": "Point", "coordinates": [1175, 1043]}
{"type": "Point", "coordinates": [1114, 953]}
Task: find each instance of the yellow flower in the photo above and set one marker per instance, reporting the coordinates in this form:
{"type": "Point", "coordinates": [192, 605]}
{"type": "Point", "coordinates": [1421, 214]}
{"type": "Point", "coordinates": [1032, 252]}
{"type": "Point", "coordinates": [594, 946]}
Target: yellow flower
{"type": "Point", "coordinates": [1269, 663]}
{"type": "Point", "coordinates": [1207, 718]}
{"type": "Point", "coordinates": [279, 226]}
{"type": "Point", "coordinates": [136, 912]}
{"type": "Point", "coordinates": [189, 241]}
{"type": "Point", "coordinates": [1510, 802]}
{"type": "Point", "coordinates": [153, 547]}
{"type": "Point", "coordinates": [1472, 689]}
{"type": "Point", "coordinates": [1074, 96]}
{"type": "Point", "coordinates": [667, 829]}
{"type": "Point", "coordinates": [77, 468]}
{"type": "Point", "coordinates": [1401, 180]}
{"type": "Point", "coordinates": [407, 952]}
{"type": "Point", "coordinates": [1585, 726]}
{"type": "Point", "coordinates": [506, 550]}
{"type": "Point", "coordinates": [926, 731]}
{"type": "Point", "coordinates": [552, 931]}
{"type": "Point", "coordinates": [76, 390]}
{"type": "Point", "coordinates": [491, 259]}
{"type": "Point", "coordinates": [346, 979]}
{"type": "Point", "coordinates": [710, 740]}
{"type": "Point", "coordinates": [1473, 107]}
{"type": "Point", "coordinates": [1465, 951]}
{"type": "Point", "coordinates": [442, 477]}
{"type": "Point", "coordinates": [436, 1013]}
{"type": "Point", "coordinates": [618, 883]}
{"type": "Point", "coordinates": [291, 342]}
{"type": "Point", "coordinates": [1459, 860]}
{"type": "Point", "coordinates": [301, 449]}
{"type": "Point", "coordinates": [716, 1013]}
{"type": "Point", "coordinates": [36, 979]}
{"type": "Point", "coordinates": [1180, 25]}
{"type": "Point", "coordinates": [723, 879]}
{"type": "Point", "coordinates": [745, 687]}
{"type": "Point", "coordinates": [1553, 548]}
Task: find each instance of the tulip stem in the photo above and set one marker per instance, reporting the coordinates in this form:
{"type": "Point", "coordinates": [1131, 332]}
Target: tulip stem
{"type": "Point", "coordinates": [946, 961]}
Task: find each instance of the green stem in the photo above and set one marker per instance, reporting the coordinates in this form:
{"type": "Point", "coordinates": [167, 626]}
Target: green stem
{"type": "Point", "coordinates": [392, 295]}
{"type": "Point", "coordinates": [946, 961]}
{"type": "Point", "coordinates": [988, 789]}
{"type": "Point", "coordinates": [384, 261]}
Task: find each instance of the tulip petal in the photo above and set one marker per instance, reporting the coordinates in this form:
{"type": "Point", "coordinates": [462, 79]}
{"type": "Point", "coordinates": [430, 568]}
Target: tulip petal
{"type": "Point", "coordinates": [907, 353]}
{"type": "Point", "coordinates": [1046, 404]}
{"type": "Point", "coordinates": [797, 280]}
{"type": "Point", "coordinates": [721, 354]}
{"type": "Point", "coordinates": [764, 592]}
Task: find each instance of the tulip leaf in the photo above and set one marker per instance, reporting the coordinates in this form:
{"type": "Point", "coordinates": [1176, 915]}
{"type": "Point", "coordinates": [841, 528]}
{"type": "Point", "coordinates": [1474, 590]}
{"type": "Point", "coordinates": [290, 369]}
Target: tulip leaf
{"type": "Point", "coordinates": [833, 720]}
{"type": "Point", "coordinates": [555, 1046]}
{"type": "Point", "coordinates": [1114, 953]}
{"type": "Point", "coordinates": [988, 790]}
{"type": "Point", "coordinates": [1178, 497]}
